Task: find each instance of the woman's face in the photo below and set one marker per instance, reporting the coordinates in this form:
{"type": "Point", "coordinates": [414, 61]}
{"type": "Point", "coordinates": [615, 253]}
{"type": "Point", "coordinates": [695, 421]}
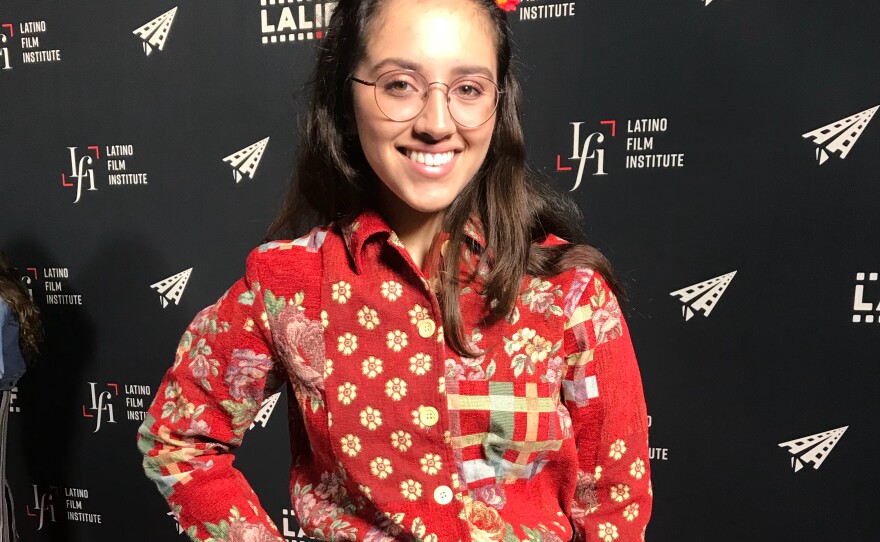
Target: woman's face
{"type": "Point", "coordinates": [442, 41]}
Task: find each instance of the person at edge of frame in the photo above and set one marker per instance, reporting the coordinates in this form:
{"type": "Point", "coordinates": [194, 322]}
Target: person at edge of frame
{"type": "Point", "coordinates": [456, 369]}
{"type": "Point", "coordinates": [21, 335]}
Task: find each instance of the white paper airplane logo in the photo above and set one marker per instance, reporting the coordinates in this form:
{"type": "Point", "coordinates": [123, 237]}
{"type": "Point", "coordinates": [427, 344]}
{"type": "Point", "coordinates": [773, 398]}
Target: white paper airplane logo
{"type": "Point", "coordinates": [155, 32]}
{"type": "Point", "coordinates": [702, 296]}
{"type": "Point", "coordinates": [176, 523]}
{"type": "Point", "coordinates": [172, 288]}
{"type": "Point", "coordinates": [842, 134]}
{"type": "Point", "coordinates": [707, 2]}
{"type": "Point", "coordinates": [266, 410]}
{"type": "Point", "coordinates": [244, 162]}
{"type": "Point", "coordinates": [818, 447]}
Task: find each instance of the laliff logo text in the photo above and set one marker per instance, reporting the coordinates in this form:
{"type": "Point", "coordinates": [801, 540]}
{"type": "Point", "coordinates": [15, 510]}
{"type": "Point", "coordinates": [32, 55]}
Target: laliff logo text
{"type": "Point", "coordinates": [866, 303]}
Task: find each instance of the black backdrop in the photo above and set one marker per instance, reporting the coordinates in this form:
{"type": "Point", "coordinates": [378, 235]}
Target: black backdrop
{"type": "Point", "coordinates": [731, 93]}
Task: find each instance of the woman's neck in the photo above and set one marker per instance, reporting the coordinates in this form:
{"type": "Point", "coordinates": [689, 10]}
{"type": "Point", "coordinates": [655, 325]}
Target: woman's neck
{"type": "Point", "coordinates": [416, 230]}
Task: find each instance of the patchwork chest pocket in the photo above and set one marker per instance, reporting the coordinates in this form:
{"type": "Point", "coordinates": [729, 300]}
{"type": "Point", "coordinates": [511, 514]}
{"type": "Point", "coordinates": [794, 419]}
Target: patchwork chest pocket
{"type": "Point", "coordinates": [506, 428]}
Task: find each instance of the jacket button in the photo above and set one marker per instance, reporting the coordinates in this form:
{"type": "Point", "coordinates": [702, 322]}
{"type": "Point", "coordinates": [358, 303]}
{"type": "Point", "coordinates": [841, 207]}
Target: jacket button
{"type": "Point", "coordinates": [443, 495]}
{"type": "Point", "coordinates": [426, 327]}
{"type": "Point", "coordinates": [428, 415]}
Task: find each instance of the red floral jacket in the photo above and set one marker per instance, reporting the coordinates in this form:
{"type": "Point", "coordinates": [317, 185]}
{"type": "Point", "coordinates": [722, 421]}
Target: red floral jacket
{"type": "Point", "coordinates": [394, 436]}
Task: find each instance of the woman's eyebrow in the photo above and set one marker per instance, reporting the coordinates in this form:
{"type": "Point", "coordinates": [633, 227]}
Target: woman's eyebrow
{"type": "Point", "coordinates": [469, 69]}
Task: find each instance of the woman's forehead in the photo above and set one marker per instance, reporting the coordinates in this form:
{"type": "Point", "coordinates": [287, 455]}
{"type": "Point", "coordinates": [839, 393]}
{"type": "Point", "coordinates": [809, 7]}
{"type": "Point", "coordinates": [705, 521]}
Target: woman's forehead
{"type": "Point", "coordinates": [449, 38]}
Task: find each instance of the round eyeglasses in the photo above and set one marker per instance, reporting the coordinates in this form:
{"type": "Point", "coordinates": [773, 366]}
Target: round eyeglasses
{"type": "Point", "coordinates": [402, 94]}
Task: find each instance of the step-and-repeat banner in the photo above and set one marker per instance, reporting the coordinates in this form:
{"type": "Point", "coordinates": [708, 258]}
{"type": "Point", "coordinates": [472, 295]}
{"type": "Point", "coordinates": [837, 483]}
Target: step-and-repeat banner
{"type": "Point", "coordinates": [722, 151]}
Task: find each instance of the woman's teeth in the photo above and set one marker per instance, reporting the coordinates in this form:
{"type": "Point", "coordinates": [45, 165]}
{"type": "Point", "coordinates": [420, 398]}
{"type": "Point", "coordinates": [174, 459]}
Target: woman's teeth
{"type": "Point", "coordinates": [430, 159]}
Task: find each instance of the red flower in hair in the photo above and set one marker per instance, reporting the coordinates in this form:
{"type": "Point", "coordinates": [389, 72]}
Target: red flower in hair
{"type": "Point", "coordinates": [507, 5]}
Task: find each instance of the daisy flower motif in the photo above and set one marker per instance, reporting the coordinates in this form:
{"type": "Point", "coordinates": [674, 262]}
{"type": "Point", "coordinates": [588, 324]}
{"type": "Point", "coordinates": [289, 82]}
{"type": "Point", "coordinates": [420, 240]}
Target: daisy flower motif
{"type": "Point", "coordinates": [395, 388]}
{"type": "Point", "coordinates": [347, 393]}
{"type": "Point", "coordinates": [347, 343]}
{"type": "Point", "coordinates": [431, 463]}
{"type": "Point", "coordinates": [620, 492]}
{"type": "Point", "coordinates": [371, 367]}
{"type": "Point", "coordinates": [418, 313]}
{"type": "Point", "coordinates": [371, 418]}
{"type": "Point", "coordinates": [351, 445]}
{"type": "Point", "coordinates": [417, 420]}
{"type": "Point", "coordinates": [328, 368]}
{"type": "Point", "coordinates": [401, 440]}
{"type": "Point", "coordinates": [366, 491]}
{"type": "Point", "coordinates": [617, 449]}
{"type": "Point", "coordinates": [420, 364]}
{"type": "Point", "coordinates": [631, 512]}
{"type": "Point", "coordinates": [391, 290]}
{"type": "Point", "coordinates": [381, 467]}
{"type": "Point", "coordinates": [396, 340]}
{"type": "Point", "coordinates": [368, 318]}
{"type": "Point", "coordinates": [637, 469]}
{"type": "Point", "coordinates": [341, 292]}
{"type": "Point", "coordinates": [608, 532]}
{"type": "Point", "coordinates": [411, 489]}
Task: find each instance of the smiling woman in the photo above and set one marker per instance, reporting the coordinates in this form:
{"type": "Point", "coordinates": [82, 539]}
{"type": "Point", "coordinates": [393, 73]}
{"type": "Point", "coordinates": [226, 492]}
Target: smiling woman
{"type": "Point", "coordinates": [457, 371]}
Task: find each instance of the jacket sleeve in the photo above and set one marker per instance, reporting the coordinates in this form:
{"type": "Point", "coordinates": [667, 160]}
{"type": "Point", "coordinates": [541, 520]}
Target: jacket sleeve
{"type": "Point", "coordinates": [222, 370]}
{"type": "Point", "coordinates": [602, 390]}
{"type": "Point", "coordinates": [12, 364]}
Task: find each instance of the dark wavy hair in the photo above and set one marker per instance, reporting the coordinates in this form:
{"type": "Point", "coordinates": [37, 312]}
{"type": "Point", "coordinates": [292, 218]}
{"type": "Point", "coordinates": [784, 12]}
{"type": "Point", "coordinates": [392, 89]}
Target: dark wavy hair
{"type": "Point", "coordinates": [333, 182]}
{"type": "Point", "coordinates": [14, 293]}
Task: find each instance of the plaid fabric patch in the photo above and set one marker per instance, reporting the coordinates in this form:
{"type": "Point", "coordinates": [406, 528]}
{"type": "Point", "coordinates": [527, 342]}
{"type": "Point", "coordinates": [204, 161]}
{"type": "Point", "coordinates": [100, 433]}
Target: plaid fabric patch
{"type": "Point", "coordinates": [579, 387]}
{"type": "Point", "coordinates": [502, 431]}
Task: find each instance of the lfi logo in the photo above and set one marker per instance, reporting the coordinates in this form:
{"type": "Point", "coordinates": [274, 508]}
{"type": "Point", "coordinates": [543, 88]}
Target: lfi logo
{"type": "Point", "coordinates": [587, 149]}
{"type": "Point", "coordinates": [28, 282]}
{"type": "Point", "coordinates": [79, 171]}
{"type": "Point", "coordinates": [101, 403]}
{"type": "Point", "coordinates": [4, 51]}
{"type": "Point", "coordinates": [44, 505]}
{"type": "Point", "coordinates": [859, 303]}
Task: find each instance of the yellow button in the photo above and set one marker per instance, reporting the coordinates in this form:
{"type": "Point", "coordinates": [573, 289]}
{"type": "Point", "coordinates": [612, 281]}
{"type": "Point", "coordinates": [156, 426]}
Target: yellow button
{"type": "Point", "coordinates": [426, 327]}
{"type": "Point", "coordinates": [428, 415]}
{"type": "Point", "coordinates": [443, 495]}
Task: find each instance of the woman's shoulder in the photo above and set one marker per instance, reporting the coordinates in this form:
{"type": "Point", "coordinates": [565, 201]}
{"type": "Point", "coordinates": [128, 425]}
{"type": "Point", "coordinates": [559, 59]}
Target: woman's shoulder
{"type": "Point", "coordinates": [581, 267]}
{"type": "Point", "coordinates": [289, 262]}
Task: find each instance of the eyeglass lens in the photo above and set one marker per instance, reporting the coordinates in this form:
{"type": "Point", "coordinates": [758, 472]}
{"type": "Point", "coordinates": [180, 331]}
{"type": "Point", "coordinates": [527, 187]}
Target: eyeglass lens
{"type": "Point", "coordinates": [401, 95]}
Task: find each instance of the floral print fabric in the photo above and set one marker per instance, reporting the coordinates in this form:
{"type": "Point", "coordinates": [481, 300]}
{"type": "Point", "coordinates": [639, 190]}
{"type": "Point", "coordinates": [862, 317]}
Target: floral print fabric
{"type": "Point", "coordinates": [541, 437]}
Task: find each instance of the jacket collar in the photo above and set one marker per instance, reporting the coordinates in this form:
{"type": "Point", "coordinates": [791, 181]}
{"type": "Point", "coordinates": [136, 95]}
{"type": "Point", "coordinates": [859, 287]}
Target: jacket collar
{"type": "Point", "coordinates": [370, 223]}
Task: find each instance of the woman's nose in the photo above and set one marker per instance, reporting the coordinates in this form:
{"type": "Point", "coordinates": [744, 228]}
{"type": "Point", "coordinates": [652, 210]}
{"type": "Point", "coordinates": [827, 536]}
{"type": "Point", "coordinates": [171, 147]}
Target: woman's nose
{"type": "Point", "coordinates": [435, 119]}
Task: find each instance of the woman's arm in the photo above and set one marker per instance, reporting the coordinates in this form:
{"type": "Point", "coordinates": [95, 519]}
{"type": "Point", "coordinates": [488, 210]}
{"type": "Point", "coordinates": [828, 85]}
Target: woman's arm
{"type": "Point", "coordinates": [207, 400]}
{"type": "Point", "coordinates": [602, 390]}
